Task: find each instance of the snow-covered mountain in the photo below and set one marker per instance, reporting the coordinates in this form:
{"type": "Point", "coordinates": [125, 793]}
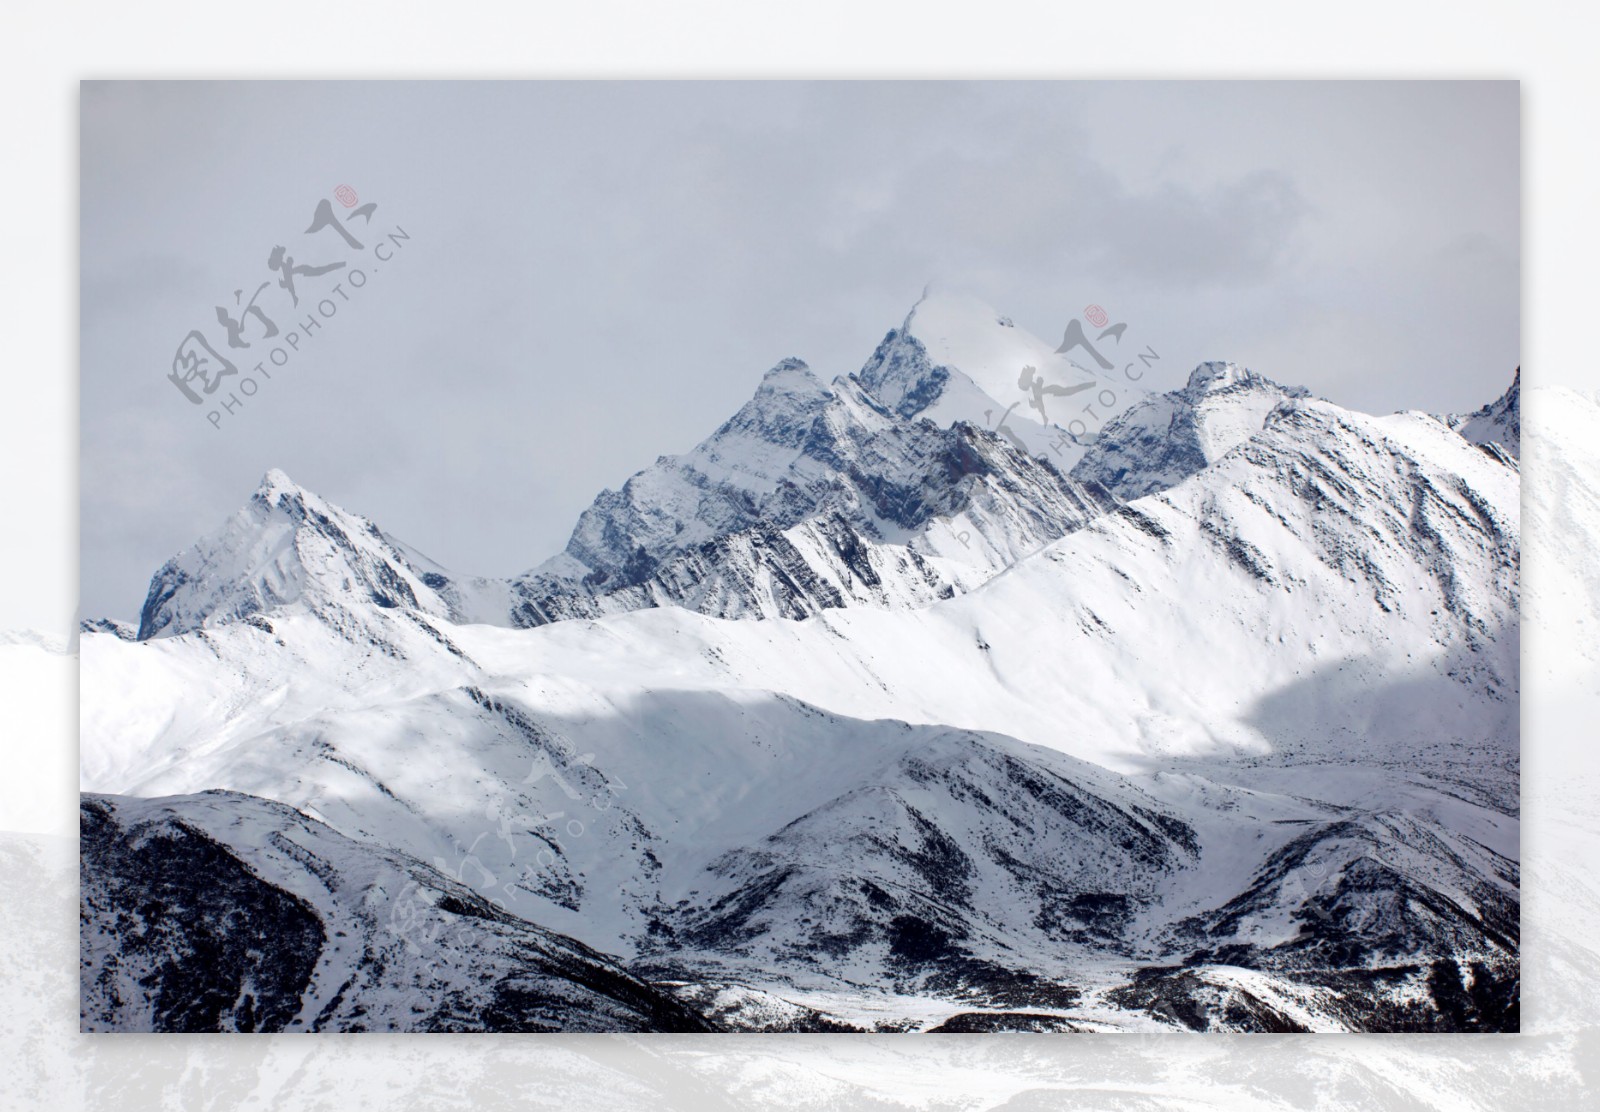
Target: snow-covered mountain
{"type": "Point", "coordinates": [893, 486]}
{"type": "Point", "coordinates": [1166, 438]}
{"type": "Point", "coordinates": [809, 498]}
{"type": "Point", "coordinates": [287, 546]}
{"type": "Point", "coordinates": [1239, 752]}
{"type": "Point", "coordinates": [1498, 423]}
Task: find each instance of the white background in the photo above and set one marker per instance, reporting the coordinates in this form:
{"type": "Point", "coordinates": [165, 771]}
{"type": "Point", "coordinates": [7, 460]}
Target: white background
{"type": "Point", "coordinates": [46, 48]}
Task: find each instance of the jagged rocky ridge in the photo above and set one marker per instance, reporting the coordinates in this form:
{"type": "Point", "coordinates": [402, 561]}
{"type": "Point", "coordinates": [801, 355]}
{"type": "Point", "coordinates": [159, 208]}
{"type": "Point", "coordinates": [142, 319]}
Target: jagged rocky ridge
{"type": "Point", "coordinates": [1240, 754]}
{"type": "Point", "coordinates": [811, 497]}
{"type": "Point", "coordinates": [1499, 423]}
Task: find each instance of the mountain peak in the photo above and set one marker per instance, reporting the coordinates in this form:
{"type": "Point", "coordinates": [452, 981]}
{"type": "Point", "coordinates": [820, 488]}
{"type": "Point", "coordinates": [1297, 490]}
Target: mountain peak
{"type": "Point", "coordinates": [275, 480]}
{"type": "Point", "coordinates": [1499, 422]}
{"type": "Point", "coordinates": [941, 314]}
{"type": "Point", "coordinates": [276, 485]}
{"type": "Point", "coordinates": [791, 376]}
{"type": "Point", "coordinates": [957, 359]}
{"type": "Point", "coordinates": [1215, 375]}
{"type": "Point", "coordinates": [783, 405]}
{"type": "Point", "coordinates": [285, 545]}
{"type": "Point", "coordinates": [1168, 437]}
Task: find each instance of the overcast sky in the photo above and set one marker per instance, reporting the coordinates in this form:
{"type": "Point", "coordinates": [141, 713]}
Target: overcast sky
{"type": "Point", "coordinates": [597, 274]}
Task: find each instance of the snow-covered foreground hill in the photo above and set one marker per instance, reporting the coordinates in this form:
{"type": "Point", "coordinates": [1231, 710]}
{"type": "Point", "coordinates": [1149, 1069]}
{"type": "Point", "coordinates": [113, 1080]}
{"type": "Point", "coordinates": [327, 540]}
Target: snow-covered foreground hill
{"type": "Point", "coordinates": [1239, 753]}
{"type": "Point", "coordinates": [264, 920]}
{"type": "Point", "coordinates": [38, 675]}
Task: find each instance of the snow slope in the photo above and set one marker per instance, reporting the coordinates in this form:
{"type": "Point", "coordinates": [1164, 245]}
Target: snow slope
{"type": "Point", "coordinates": [37, 676]}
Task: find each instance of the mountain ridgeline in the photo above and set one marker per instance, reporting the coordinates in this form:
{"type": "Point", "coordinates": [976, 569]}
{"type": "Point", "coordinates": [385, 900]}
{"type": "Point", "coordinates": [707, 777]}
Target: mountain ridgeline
{"type": "Point", "coordinates": [860, 715]}
{"type": "Point", "coordinates": [813, 496]}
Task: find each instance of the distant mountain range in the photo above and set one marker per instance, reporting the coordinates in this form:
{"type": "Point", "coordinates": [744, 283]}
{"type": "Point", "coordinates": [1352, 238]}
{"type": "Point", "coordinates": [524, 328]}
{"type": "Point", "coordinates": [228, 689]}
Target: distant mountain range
{"type": "Point", "coordinates": [878, 709]}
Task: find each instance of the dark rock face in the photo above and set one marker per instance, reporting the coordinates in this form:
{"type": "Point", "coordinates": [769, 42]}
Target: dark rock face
{"type": "Point", "coordinates": [1376, 903]}
{"type": "Point", "coordinates": [226, 913]}
{"type": "Point", "coordinates": [108, 626]}
{"type": "Point", "coordinates": [967, 1023]}
{"type": "Point", "coordinates": [1439, 995]}
{"type": "Point", "coordinates": [901, 374]}
{"type": "Point", "coordinates": [168, 909]}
